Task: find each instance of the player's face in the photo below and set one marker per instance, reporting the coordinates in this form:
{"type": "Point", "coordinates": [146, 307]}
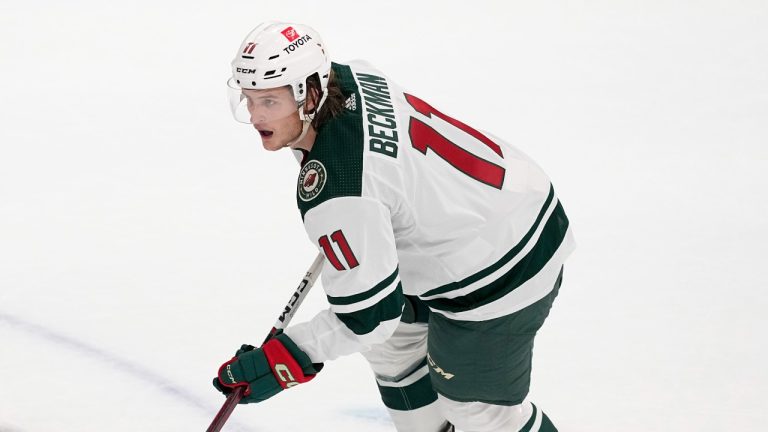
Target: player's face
{"type": "Point", "coordinates": [275, 115]}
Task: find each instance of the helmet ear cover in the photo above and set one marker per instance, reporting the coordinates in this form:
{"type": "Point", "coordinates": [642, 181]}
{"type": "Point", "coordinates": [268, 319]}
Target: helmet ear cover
{"type": "Point", "coordinates": [315, 93]}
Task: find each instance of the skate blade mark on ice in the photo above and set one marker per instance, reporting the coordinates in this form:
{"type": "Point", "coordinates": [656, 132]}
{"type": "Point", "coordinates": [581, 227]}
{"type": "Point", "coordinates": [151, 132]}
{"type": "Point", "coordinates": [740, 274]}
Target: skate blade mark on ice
{"type": "Point", "coordinates": [112, 361]}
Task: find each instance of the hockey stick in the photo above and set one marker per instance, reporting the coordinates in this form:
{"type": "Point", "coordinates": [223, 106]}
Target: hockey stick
{"type": "Point", "coordinates": [282, 322]}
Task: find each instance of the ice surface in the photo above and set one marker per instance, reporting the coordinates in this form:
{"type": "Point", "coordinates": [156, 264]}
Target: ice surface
{"type": "Point", "coordinates": [144, 235]}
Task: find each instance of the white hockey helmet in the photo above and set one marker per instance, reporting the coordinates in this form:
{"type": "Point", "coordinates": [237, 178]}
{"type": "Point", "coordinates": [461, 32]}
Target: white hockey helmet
{"type": "Point", "coordinates": [277, 54]}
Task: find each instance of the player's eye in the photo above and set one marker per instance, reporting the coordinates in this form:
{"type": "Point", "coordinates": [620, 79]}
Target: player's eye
{"type": "Point", "coordinates": [269, 103]}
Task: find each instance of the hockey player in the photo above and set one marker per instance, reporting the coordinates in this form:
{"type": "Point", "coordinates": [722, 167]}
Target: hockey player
{"type": "Point", "coordinates": [444, 245]}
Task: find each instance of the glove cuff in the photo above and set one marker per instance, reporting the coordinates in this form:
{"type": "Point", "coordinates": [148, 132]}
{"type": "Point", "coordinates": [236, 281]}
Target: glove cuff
{"type": "Point", "coordinates": [305, 362]}
{"type": "Point", "coordinates": [285, 359]}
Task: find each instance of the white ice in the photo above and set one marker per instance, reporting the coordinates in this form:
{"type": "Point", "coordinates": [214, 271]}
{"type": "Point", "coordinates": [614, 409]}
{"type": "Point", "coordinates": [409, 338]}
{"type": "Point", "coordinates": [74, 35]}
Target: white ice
{"type": "Point", "coordinates": [144, 235]}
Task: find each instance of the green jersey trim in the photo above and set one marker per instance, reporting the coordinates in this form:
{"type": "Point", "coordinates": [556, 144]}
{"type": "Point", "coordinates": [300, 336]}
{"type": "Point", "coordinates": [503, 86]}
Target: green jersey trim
{"type": "Point", "coordinates": [549, 241]}
{"type": "Point", "coordinates": [355, 298]}
{"type": "Point", "coordinates": [500, 263]}
{"type": "Point", "coordinates": [338, 149]}
{"type": "Point", "coordinates": [366, 320]}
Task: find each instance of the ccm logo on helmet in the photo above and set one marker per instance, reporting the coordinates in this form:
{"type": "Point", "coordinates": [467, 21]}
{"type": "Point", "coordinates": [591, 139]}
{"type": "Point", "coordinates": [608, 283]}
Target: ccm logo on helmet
{"type": "Point", "coordinates": [301, 41]}
{"type": "Point", "coordinates": [246, 71]}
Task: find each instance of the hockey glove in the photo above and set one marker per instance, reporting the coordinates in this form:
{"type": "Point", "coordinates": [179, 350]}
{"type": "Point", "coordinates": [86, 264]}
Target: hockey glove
{"type": "Point", "coordinates": [266, 371]}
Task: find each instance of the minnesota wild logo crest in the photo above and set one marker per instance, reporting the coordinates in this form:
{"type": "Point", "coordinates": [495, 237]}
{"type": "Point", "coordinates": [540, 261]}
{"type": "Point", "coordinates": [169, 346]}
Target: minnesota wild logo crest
{"type": "Point", "coordinates": [311, 180]}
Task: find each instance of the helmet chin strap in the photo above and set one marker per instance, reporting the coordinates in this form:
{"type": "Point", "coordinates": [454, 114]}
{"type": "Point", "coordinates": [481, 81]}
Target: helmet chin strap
{"type": "Point", "coordinates": [306, 120]}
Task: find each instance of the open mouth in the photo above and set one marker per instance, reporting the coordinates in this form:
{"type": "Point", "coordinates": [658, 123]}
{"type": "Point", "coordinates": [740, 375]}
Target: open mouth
{"type": "Point", "coordinates": [265, 133]}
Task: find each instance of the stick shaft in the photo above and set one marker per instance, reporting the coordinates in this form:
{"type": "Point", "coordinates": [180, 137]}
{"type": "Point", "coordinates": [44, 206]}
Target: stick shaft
{"type": "Point", "coordinates": [226, 410]}
{"type": "Point", "coordinates": [298, 296]}
{"type": "Point", "coordinates": [282, 322]}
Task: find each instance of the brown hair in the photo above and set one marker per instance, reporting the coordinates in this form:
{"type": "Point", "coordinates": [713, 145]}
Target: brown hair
{"type": "Point", "coordinates": [334, 103]}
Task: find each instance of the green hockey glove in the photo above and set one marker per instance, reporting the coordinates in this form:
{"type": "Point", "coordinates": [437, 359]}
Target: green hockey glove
{"type": "Point", "coordinates": [264, 372]}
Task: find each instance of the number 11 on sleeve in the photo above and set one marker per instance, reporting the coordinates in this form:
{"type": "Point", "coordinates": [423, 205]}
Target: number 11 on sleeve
{"type": "Point", "coordinates": [349, 256]}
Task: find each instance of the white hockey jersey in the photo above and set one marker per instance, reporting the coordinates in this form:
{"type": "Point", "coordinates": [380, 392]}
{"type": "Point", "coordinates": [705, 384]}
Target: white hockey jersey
{"type": "Point", "coordinates": [403, 199]}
